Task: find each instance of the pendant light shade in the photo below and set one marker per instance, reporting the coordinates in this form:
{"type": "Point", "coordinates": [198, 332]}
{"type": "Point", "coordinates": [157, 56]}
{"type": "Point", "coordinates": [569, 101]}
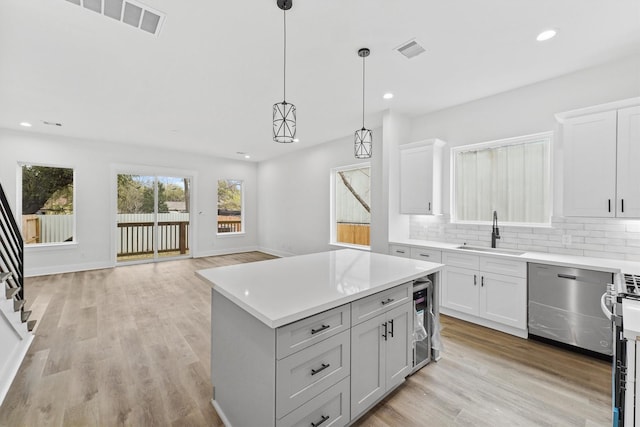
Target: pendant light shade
{"type": "Point", "coordinates": [363, 137]}
{"type": "Point", "coordinates": [284, 113]}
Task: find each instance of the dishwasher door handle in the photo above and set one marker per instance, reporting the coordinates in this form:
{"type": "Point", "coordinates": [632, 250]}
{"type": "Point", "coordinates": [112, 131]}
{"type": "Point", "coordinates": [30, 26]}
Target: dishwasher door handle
{"type": "Point", "coordinates": [567, 276]}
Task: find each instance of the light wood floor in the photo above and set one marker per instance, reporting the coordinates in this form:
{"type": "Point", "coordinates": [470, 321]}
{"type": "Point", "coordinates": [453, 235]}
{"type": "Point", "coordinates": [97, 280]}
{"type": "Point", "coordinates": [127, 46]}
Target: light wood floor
{"type": "Point", "coordinates": [131, 346]}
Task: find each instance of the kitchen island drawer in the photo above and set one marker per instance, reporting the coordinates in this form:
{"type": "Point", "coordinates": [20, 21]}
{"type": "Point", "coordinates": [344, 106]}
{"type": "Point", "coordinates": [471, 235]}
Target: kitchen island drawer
{"type": "Point", "coordinates": [430, 255]}
{"type": "Point", "coordinates": [303, 333]}
{"type": "Point", "coordinates": [307, 373]}
{"type": "Point", "coordinates": [329, 409]}
{"type": "Point", "coordinates": [369, 307]}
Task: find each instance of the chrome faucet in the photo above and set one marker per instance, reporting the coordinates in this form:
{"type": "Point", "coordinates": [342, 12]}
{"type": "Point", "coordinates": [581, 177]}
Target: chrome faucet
{"type": "Point", "coordinates": [495, 232]}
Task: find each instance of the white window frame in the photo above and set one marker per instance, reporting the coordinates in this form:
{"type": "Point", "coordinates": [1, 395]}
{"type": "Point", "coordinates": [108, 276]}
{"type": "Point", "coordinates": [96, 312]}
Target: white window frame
{"type": "Point", "coordinates": [503, 143]}
{"type": "Point", "coordinates": [242, 209]}
{"type": "Point", "coordinates": [51, 245]}
{"type": "Point", "coordinates": [332, 205]}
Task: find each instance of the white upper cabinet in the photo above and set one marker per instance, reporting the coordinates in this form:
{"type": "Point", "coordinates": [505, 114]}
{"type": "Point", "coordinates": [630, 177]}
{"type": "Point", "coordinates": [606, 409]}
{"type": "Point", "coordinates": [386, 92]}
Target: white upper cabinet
{"type": "Point", "coordinates": [628, 163]}
{"type": "Point", "coordinates": [600, 156]}
{"type": "Point", "coordinates": [421, 177]}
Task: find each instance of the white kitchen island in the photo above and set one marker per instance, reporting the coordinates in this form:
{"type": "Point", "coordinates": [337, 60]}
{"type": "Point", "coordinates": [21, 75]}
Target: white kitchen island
{"type": "Point", "coordinates": [313, 340]}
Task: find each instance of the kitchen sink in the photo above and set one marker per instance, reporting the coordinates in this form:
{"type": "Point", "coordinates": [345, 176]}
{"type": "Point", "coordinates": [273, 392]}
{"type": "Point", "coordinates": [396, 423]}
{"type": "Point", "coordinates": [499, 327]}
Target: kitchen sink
{"type": "Point", "coordinates": [491, 250]}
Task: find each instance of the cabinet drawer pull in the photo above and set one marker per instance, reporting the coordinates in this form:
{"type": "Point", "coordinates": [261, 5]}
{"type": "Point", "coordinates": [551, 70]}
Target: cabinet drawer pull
{"type": "Point", "coordinates": [320, 369]}
{"type": "Point", "coordinates": [482, 281]}
{"type": "Point", "coordinates": [387, 301]}
{"type": "Point", "coordinates": [320, 329]}
{"type": "Point", "coordinates": [322, 420]}
{"type": "Point", "coordinates": [398, 251]}
{"type": "Point", "coordinates": [425, 255]}
{"type": "Point", "coordinates": [475, 280]}
{"type": "Point", "coordinates": [391, 332]}
{"type": "Point", "coordinates": [566, 276]}
{"type": "Point", "coordinates": [385, 331]}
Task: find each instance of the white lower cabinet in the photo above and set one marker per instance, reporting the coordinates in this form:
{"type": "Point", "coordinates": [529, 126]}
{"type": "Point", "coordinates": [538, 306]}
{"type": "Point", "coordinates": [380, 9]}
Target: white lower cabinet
{"type": "Point", "coordinates": [329, 409]}
{"type": "Point", "coordinates": [484, 292]}
{"type": "Point", "coordinates": [381, 356]}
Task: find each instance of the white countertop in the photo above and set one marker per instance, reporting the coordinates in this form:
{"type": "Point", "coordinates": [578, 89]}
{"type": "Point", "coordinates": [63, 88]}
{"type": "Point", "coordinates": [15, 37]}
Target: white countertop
{"type": "Point", "coordinates": [600, 264]}
{"type": "Point", "coordinates": [284, 290]}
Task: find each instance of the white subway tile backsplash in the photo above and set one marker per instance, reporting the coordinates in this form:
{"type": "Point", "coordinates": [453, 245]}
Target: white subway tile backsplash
{"type": "Point", "coordinates": [604, 241]}
{"type": "Point", "coordinates": [605, 227]}
{"type": "Point", "coordinates": [608, 255]}
{"type": "Point", "coordinates": [597, 237]}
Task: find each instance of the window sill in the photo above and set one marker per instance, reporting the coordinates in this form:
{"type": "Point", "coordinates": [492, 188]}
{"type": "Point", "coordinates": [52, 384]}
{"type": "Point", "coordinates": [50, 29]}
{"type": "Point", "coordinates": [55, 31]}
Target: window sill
{"type": "Point", "coordinates": [38, 247]}
{"type": "Point", "coordinates": [223, 235]}
{"type": "Point", "coordinates": [350, 246]}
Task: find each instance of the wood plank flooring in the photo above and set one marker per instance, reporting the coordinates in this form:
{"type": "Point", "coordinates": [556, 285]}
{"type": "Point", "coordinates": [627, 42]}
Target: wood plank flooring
{"type": "Point", "coordinates": [131, 346]}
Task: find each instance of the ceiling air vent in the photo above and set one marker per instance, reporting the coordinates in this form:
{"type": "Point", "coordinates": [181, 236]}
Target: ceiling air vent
{"type": "Point", "coordinates": [130, 12]}
{"type": "Point", "coordinates": [409, 49]}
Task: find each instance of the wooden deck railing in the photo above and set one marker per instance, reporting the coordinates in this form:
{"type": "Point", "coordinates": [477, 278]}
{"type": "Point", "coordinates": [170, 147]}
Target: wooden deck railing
{"type": "Point", "coordinates": [230, 226]}
{"type": "Point", "coordinates": [136, 238]}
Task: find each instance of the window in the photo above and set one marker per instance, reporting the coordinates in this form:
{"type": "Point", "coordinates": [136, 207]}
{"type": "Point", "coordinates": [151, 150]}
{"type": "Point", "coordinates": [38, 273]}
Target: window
{"type": "Point", "coordinates": [510, 176]}
{"type": "Point", "coordinates": [47, 204]}
{"type": "Point", "coordinates": [351, 213]}
{"type": "Point", "coordinates": [230, 206]}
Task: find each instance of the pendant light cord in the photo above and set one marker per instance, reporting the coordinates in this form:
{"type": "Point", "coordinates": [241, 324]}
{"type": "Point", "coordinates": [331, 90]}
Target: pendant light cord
{"type": "Point", "coordinates": [284, 94]}
{"type": "Point", "coordinates": [363, 91]}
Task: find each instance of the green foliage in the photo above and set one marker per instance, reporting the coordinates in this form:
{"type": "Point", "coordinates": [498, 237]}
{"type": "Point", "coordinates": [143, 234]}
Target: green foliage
{"type": "Point", "coordinates": [229, 195]}
{"type": "Point", "coordinates": [46, 187]}
{"type": "Point", "coordinates": [174, 193]}
{"type": "Point", "coordinates": [135, 195]}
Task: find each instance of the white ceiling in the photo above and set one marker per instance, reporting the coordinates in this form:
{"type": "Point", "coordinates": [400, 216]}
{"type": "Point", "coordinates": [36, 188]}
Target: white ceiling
{"type": "Point", "coordinates": [207, 83]}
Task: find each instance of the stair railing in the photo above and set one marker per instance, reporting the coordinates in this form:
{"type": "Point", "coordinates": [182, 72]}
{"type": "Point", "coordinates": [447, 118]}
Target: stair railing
{"type": "Point", "coordinates": [11, 247]}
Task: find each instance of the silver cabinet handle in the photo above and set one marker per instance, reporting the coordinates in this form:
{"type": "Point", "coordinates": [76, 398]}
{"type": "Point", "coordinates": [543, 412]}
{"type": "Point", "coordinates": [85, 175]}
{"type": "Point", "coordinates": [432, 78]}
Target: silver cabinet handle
{"type": "Point", "coordinates": [425, 255]}
{"type": "Point", "coordinates": [387, 301]}
{"type": "Point", "coordinates": [475, 280]}
{"type": "Point", "coordinates": [399, 251]}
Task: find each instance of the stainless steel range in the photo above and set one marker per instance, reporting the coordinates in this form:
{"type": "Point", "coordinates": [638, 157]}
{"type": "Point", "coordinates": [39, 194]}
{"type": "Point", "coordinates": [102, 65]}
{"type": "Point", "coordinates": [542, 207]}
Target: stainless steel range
{"type": "Point", "coordinates": [621, 303]}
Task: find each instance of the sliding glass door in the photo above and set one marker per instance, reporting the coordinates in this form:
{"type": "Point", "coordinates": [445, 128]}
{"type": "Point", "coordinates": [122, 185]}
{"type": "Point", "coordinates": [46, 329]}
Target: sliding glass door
{"type": "Point", "coordinates": [153, 217]}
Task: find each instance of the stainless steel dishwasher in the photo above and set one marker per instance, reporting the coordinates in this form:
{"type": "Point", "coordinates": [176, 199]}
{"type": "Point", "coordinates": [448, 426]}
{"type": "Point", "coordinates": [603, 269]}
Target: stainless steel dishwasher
{"type": "Point", "coordinates": [564, 306]}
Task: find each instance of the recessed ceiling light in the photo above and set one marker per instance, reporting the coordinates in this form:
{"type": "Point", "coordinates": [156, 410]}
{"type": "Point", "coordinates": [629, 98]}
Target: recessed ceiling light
{"type": "Point", "coordinates": [25, 124]}
{"type": "Point", "coordinates": [387, 95]}
{"type": "Point", "coordinates": [246, 156]}
{"type": "Point", "coordinates": [546, 35]}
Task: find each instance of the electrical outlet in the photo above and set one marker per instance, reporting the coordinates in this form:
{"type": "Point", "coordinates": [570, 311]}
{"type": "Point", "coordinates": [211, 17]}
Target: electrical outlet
{"type": "Point", "coordinates": [566, 239]}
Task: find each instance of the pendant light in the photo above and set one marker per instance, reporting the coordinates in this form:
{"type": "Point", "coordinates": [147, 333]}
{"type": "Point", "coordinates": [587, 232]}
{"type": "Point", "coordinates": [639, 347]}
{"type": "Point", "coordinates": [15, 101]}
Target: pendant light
{"type": "Point", "coordinates": [284, 113]}
{"type": "Point", "coordinates": [363, 136]}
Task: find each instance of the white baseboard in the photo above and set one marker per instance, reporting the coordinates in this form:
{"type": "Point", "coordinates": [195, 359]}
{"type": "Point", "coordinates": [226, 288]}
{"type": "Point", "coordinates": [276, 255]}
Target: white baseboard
{"type": "Point", "coordinates": [275, 252]}
{"type": "Point", "coordinates": [11, 369]}
{"type": "Point", "coordinates": [229, 251]}
{"type": "Point", "coordinates": [69, 268]}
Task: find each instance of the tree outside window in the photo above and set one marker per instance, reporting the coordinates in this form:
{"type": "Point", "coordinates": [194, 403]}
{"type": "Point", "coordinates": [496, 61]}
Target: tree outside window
{"type": "Point", "coordinates": [351, 216]}
{"type": "Point", "coordinates": [230, 215]}
{"type": "Point", "coordinates": [47, 204]}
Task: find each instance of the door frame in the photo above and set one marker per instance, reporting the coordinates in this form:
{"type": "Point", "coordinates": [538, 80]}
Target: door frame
{"type": "Point", "coordinates": [156, 171]}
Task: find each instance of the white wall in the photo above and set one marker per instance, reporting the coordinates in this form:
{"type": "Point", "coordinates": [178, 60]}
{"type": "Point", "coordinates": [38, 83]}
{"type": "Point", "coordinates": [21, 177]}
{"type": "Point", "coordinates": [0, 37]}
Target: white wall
{"type": "Point", "coordinates": [94, 163]}
{"type": "Point", "coordinates": [527, 110]}
{"type": "Point", "coordinates": [293, 201]}
{"type": "Point", "coordinates": [524, 111]}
